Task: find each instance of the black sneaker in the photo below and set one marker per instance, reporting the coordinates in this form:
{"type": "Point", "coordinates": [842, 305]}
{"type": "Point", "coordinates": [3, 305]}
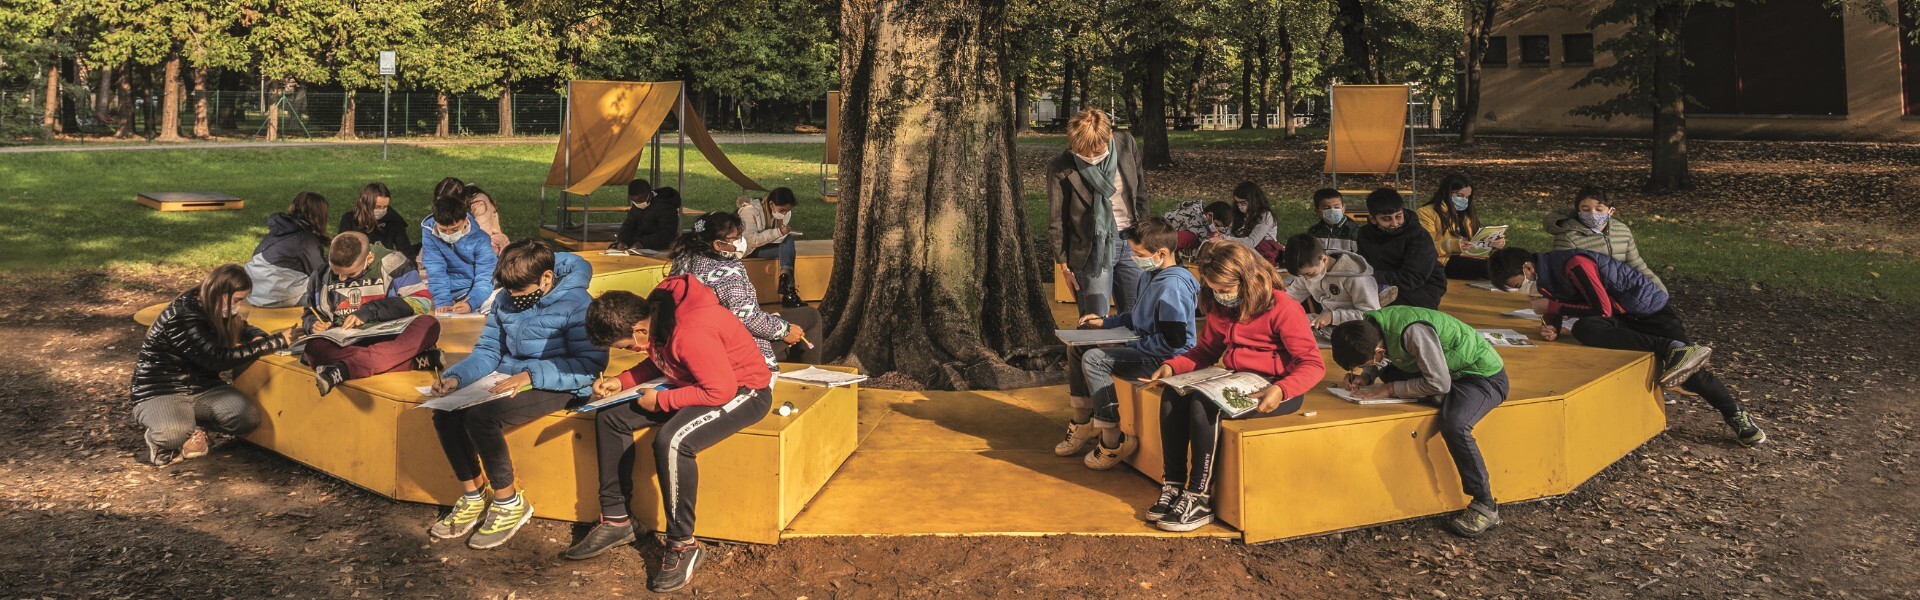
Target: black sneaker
{"type": "Point", "coordinates": [431, 360]}
{"type": "Point", "coordinates": [676, 566]}
{"type": "Point", "coordinates": [327, 376]}
{"type": "Point", "coordinates": [1749, 434]}
{"type": "Point", "coordinates": [1190, 512]}
{"type": "Point", "coordinates": [1682, 363]}
{"type": "Point", "coordinates": [1168, 494]}
{"type": "Point", "coordinates": [604, 536]}
{"type": "Point", "coordinates": [789, 293]}
{"type": "Point", "coordinates": [1475, 520]}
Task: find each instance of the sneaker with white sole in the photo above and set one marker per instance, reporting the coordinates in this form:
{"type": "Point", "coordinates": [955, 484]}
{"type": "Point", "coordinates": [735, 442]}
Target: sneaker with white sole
{"type": "Point", "coordinates": [461, 519]}
{"type": "Point", "coordinates": [196, 445]}
{"type": "Point", "coordinates": [1169, 493]}
{"type": "Point", "coordinates": [159, 457]}
{"type": "Point", "coordinates": [676, 566]}
{"type": "Point", "coordinates": [1683, 362]}
{"type": "Point", "coordinates": [1190, 512]}
{"type": "Point", "coordinates": [1103, 458]}
{"type": "Point", "coordinates": [1388, 295]}
{"type": "Point", "coordinates": [501, 522]}
{"type": "Point", "coordinates": [1078, 434]}
{"type": "Point", "coordinates": [1749, 434]}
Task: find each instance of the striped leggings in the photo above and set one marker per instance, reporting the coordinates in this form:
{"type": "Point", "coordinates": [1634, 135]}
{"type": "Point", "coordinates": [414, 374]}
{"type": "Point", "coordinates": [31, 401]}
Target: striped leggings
{"type": "Point", "coordinates": [682, 434]}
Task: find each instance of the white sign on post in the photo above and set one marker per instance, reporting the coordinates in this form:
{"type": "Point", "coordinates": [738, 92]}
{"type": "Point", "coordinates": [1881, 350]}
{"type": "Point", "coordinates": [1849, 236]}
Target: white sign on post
{"type": "Point", "coordinates": [386, 62]}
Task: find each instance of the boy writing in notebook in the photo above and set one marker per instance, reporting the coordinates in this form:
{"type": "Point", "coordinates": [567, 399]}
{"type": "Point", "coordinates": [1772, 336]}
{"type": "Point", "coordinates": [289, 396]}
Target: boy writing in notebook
{"type": "Point", "coordinates": [1162, 317]}
{"type": "Point", "coordinates": [364, 284]}
{"type": "Point", "coordinates": [1419, 353]}
{"type": "Point", "coordinates": [1622, 309]}
{"type": "Point", "coordinates": [457, 256]}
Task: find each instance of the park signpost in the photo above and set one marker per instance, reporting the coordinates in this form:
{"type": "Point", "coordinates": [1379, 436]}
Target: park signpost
{"type": "Point", "coordinates": [387, 69]}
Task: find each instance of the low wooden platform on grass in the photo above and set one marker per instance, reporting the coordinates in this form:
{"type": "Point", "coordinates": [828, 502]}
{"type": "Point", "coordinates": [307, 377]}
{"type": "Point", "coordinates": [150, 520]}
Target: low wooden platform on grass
{"type": "Point", "coordinates": [187, 201]}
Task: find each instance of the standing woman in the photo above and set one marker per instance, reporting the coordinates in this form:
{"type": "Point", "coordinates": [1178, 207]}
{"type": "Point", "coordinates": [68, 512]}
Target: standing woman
{"type": "Point", "coordinates": [374, 216]}
{"type": "Point", "coordinates": [711, 253]}
{"type": "Point", "coordinates": [177, 384]}
{"type": "Point", "coordinates": [1095, 192]}
{"type": "Point", "coordinates": [295, 248]}
{"type": "Point", "coordinates": [1451, 219]}
{"type": "Point", "coordinates": [1590, 226]}
{"type": "Point", "coordinates": [479, 205]}
{"type": "Point", "coordinates": [1252, 327]}
{"type": "Point", "coordinates": [1253, 224]}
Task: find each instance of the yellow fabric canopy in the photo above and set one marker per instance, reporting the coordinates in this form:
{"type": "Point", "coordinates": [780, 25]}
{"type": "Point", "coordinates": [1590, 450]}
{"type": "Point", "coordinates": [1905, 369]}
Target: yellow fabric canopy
{"type": "Point", "coordinates": [608, 127]}
{"type": "Point", "coordinates": [1369, 129]}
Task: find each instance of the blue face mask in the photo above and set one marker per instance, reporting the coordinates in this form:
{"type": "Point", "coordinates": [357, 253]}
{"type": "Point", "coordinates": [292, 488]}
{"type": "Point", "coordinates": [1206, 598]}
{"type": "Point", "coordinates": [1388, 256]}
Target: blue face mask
{"type": "Point", "coordinates": [1460, 203]}
{"type": "Point", "coordinates": [1333, 216]}
{"type": "Point", "coordinates": [1146, 263]}
{"type": "Point", "coordinates": [1227, 300]}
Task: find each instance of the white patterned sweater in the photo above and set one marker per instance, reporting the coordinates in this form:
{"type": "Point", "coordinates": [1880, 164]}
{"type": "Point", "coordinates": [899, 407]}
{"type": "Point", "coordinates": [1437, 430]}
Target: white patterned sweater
{"type": "Point", "coordinates": [728, 279]}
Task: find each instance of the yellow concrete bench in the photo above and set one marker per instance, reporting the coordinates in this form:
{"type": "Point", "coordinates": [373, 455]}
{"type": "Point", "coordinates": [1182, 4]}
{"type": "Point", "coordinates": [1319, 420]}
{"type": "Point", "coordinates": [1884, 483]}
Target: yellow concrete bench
{"type": "Point", "coordinates": [1335, 465]}
{"type": "Point", "coordinates": [189, 201]}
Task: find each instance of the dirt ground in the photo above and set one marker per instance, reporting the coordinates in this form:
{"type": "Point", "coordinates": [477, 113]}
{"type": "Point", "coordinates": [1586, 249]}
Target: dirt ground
{"type": "Point", "coordinates": [1825, 509]}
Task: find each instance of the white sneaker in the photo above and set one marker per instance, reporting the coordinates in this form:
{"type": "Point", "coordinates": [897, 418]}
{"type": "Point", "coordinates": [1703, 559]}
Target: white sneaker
{"type": "Point", "coordinates": [1103, 458]}
{"type": "Point", "coordinates": [1078, 434]}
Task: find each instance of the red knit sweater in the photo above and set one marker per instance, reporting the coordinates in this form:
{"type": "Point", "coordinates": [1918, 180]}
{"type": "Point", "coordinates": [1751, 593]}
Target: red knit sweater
{"type": "Point", "coordinates": [1277, 344]}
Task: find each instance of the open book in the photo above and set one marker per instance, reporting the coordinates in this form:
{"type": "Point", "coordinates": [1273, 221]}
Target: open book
{"type": "Point", "coordinates": [1347, 395]}
{"type": "Point", "coordinates": [623, 396]}
{"type": "Point", "coordinates": [1505, 338]}
{"type": "Point", "coordinates": [822, 377]}
{"type": "Point", "coordinates": [480, 391]}
{"type": "Point", "coordinates": [1095, 337]}
{"type": "Point", "coordinates": [1482, 243]}
{"type": "Point", "coordinates": [1232, 391]}
{"type": "Point", "coordinates": [1524, 313]}
{"type": "Point", "coordinates": [344, 336]}
{"type": "Point", "coordinates": [1488, 286]}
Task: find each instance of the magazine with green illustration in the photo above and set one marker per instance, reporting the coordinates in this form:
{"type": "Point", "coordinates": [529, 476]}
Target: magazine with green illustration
{"type": "Point", "coordinates": [1232, 391]}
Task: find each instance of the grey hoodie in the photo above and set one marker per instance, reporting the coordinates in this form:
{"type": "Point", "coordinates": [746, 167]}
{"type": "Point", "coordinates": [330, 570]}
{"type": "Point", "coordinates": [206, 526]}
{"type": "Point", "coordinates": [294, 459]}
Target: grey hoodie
{"type": "Point", "coordinates": [1347, 288]}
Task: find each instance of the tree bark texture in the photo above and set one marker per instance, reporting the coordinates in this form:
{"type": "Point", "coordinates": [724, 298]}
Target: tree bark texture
{"type": "Point", "coordinates": [50, 116]}
{"type": "Point", "coordinates": [442, 116]}
{"type": "Point", "coordinates": [1670, 172]}
{"type": "Point", "coordinates": [103, 95]}
{"type": "Point", "coordinates": [1153, 104]}
{"type": "Point", "coordinates": [201, 126]}
{"type": "Point", "coordinates": [933, 276]}
{"type": "Point", "coordinates": [1284, 39]}
{"type": "Point", "coordinates": [1479, 23]}
{"type": "Point", "coordinates": [125, 128]}
{"type": "Point", "coordinates": [273, 112]}
{"type": "Point", "coordinates": [506, 106]}
{"type": "Point", "coordinates": [170, 100]}
{"type": "Point", "coordinates": [349, 119]}
{"type": "Point", "coordinates": [1246, 90]}
{"type": "Point", "coordinates": [1263, 78]}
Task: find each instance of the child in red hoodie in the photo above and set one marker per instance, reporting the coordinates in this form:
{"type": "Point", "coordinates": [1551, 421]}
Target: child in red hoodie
{"type": "Point", "coordinates": [1252, 327]}
{"type": "Point", "coordinates": [717, 384]}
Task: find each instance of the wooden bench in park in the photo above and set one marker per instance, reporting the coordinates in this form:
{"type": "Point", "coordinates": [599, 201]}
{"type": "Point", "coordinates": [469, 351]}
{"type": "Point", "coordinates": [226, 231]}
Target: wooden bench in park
{"type": "Point", "coordinates": [187, 201]}
{"type": "Point", "coordinates": [812, 269]}
{"type": "Point", "coordinates": [597, 236]}
{"type": "Point", "coordinates": [1336, 465]}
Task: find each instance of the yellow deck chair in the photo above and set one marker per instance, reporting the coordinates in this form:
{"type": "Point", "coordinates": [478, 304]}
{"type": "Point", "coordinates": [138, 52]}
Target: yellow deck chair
{"type": "Point", "coordinates": [1369, 134]}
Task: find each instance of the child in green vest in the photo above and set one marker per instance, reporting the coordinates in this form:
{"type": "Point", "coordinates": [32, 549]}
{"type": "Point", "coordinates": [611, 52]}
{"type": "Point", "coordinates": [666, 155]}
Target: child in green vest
{"type": "Point", "coordinates": [1425, 354]}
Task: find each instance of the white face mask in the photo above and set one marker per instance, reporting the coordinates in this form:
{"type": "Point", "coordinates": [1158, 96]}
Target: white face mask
{"type": "Point", "coordinates": [739, 250]}
{"type": "Point", "coordinates": [380, 213]}
{"type": "Point", "coordinates": [1529, 288]}
{"type": "Point", "coordinates": [452, 238]}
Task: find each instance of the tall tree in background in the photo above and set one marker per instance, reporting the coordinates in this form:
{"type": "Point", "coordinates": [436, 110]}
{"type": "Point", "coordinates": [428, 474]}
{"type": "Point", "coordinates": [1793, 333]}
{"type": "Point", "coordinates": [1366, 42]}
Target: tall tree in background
{"type": "Point", "coordinates": [129, 34]}
{"type": "Point", "coordinates": [933, 274]}
{"type": "Point", "coordinates": [1356, 48]}
{"type": "Point", "coordinates": [209, 34]}
{"type": "Point", "coordinates": [290, 47]}
{"type": "Point", "coordinates": [1479, 16]}
{"type": "Point", "coordinates": [39, 40]}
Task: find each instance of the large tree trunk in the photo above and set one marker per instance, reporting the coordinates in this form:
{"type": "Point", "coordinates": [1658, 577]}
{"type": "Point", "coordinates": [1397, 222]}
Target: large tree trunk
{"type": "Point", "coordinates": [170, 89]}
{"type": "Point", "coordinates": [50, 117]}
{"type": "Point", "coordinates": [1022, 103]}
{"type": "Point", "coordinates": [1670, 173]}
{"type": "Point", "coordinates": [1284, 40]}
{"type": "Point", "coordinates": [1263, 79]}
{"type": "Point", "coordinates": [273, 113]}
{"type": "Point", "coordinates": [349, 116]}
{"type": "Point", "coordinates": [103, 95]}
{"type": "Point", "coordinates": [1153, 105]}
{"type": "Point", "coordinates": [933, 273]}
{"type": "Point", "coordinates": [202, 129]}
{"type": "Point", "coordinates": [125, 128]}
{"type": "Point", "coordinates": [444, 126]}
{"type": "Point", "coordinates": [1479, 23]}
{"type": "Point", "coordinates": [506, 106]}
{"type": "Point", "coordinates": [1355, 54]}
{"type": "Point", "coordinates": [1246, 88]}
{"type": "Point", "coordinates": [1065, 106]}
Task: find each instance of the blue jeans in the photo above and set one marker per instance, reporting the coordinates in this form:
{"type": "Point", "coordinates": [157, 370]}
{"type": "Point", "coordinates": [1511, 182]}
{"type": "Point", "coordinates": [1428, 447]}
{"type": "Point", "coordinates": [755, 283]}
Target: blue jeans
{"type": "Point", "coordinates": [782, 250]}
{"type": "Point", "coordinates": [1090, 373]}
{"type": "Point", "coordinates": [1113, 289]}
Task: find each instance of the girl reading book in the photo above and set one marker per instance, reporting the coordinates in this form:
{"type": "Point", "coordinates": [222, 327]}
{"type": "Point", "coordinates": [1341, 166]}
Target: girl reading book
{"type": "Point", "coordinates": [1249, 330]}
{"type": "Point", "coordinates": [1451, 218]}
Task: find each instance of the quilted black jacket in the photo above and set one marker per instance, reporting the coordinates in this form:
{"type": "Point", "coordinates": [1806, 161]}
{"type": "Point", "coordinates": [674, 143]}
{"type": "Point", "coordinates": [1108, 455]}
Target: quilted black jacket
{"type": "Point", "coordinates": [182, 356]}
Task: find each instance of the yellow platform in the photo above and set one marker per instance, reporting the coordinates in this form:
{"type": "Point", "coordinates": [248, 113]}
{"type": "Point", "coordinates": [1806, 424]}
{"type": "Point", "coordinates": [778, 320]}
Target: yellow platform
{"type": "Point", "coordinates": [189, 201]}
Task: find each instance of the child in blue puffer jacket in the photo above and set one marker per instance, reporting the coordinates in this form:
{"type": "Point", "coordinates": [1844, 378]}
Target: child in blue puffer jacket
{"type": "Point", "coordinates": [458, 257]}
{"type": "Point", "coordinates": [537, 335]}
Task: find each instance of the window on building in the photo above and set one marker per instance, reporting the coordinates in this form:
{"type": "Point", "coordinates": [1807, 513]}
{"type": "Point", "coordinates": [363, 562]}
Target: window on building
{"type": "Point", "coordinates": [1784, 57]}
{"type": "Point", "coordinates": [1576, 49]}
{"type": "Point", "coordinates": [1496, 55]}
{"type": "Point", "coordinates": [1536, 51]}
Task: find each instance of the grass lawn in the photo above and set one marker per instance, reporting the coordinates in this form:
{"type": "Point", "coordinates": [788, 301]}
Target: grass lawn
{"type": "Point", "coordinates": [76, 210]}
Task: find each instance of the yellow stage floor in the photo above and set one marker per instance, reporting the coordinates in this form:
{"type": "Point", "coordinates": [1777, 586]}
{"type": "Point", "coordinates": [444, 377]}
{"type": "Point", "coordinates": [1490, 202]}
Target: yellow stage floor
{"type": "Point", "coordinates": [981, 463]}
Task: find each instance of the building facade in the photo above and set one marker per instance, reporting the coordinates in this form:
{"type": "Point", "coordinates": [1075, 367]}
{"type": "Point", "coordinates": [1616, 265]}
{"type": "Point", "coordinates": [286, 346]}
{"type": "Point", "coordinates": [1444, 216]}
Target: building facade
{"type": "Point", "coordinates": [1785, 69]}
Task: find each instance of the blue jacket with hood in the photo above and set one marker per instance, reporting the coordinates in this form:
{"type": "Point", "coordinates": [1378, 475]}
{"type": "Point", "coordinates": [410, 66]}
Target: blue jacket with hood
{"type": "Point", "coordinates": [548, 341]}
{"type": "Point", "coordinates": [459, 271]}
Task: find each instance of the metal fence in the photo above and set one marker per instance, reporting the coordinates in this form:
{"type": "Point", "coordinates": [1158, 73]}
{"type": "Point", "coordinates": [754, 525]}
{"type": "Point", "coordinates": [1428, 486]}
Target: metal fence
{"type": "Point", "coordinates": [320, 114]}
